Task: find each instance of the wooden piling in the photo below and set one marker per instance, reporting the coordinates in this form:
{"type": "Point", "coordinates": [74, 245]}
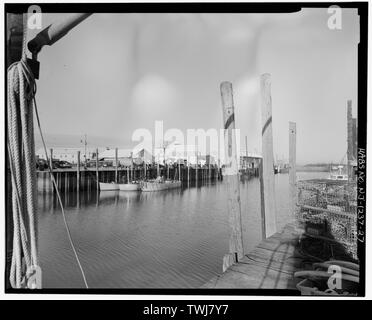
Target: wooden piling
{"type": "Point", "coordinates": [188, 169]}
{"type": "Point", "coordinates": [292, 168]}
{"type": "Point", "coordinates": [350, 157]}
{"type": "Point", "coordinates": [196, 167]}
{"type": "Point", "coordinates": [179, 170]}
{"type": "Point", "coordinates": [355, 139]}
{"type": "Point", "coordinates": [236, 251]}
{"type": "Point", "coordinates": [51, 159]}
{"type": "Point", "coordinates": [116, 165]}
{"type": "Point", "coordinates": [131, 166]}
{"type": "Point", "coordinates": [268, 214]}
{"type": "Point", "coordinates": [97, 173]}
{"type": "Point", "coordinates": [246, 154]}
{"type": "Point", "coordinates": [78, 172]}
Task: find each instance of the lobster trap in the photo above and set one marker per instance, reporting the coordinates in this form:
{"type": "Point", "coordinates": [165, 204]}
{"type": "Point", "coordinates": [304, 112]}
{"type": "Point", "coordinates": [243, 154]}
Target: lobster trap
{"type": "Point", "coordinates": [327, 210]}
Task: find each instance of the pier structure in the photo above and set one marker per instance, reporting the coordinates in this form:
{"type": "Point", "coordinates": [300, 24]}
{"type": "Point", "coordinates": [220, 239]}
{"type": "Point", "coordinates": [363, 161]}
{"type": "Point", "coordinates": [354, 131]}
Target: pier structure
{"type": "Point", "coordinates": [86, 179]}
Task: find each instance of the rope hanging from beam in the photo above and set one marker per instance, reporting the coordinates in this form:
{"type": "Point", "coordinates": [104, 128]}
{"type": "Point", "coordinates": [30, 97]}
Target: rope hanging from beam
{"type": "Point", "coordinates": [25, 271]}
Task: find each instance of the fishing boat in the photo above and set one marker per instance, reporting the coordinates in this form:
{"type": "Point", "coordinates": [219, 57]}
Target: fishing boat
{"type": "Point", "coordinates": [108, 186]}
{"type": "Point", "coordinates": [158, 185]}
{"type": "Point", "coordinates": [337, 174]}
{"type": "Point", "coordinates": [129, 186]}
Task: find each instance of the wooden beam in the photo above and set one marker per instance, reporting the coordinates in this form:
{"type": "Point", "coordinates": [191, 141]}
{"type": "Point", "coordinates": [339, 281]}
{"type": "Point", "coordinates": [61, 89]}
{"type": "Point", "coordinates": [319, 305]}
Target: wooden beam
{"type": "Point", "coordinates": [14, 39]}
{"type": "Point", "coordinates": [55, 31]}
{"type": "Point", "coordinates": [236, 251]}
{"type": "Point", "coordinates": [292, 168]}
{"type": "Point", "coordinates": [268, 211]}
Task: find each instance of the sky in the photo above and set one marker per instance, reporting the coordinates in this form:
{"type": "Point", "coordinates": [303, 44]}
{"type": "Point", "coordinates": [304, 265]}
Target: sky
{"type": "Point", "coordinates": [115, 73]}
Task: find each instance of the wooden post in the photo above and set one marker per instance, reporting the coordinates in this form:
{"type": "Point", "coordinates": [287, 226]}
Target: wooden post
{"type": "Point", "coordinates": [349, 139]}
{"type": "Point", "coordinates": [188, 169]}
{"type": "Point", "coordinates": [292, 168]}
{"type": "Point", "coordinates": [219, 170]}
{"type": "Point", "coordinates": [78, 172]}
{"type": "Point", "coordinates": [66, 179]}
{"type": "Point", "coordinates": [209, 170]}
{"type": "Point", "coordinates": [196, 166]}
{"type": "Point", "coordinates": [246, 154]}
{"type": "Point", "coordinates": [51, 159]}
{"type": "Point", "coordinates": [97, 173]}
{"type": "Point", "coordinates": [131, 166]}
{"type": "Point", "coordinates": [145, 168]}
{"type": "Point", "coordinates": [268, 214]}
{"type": "Point", "coordinates": [179, 170]}
{"type": "Point", "coordinates": [236, 251]}
{"type": "Point", "coordinates": [355, 139]}
{"type": "Point", "coordinates": [116, 165]}
{"type": "Point", "coordinates": [158, 167]}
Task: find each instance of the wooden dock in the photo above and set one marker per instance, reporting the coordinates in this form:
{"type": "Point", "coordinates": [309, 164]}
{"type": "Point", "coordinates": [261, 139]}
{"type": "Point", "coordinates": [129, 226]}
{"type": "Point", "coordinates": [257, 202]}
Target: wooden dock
{"type": "Point", "coordinates": [270, 265]}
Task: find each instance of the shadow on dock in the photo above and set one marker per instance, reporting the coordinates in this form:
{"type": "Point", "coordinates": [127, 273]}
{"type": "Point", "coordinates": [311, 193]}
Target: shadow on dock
{"type": "Point", "coordinates": [272, 264]}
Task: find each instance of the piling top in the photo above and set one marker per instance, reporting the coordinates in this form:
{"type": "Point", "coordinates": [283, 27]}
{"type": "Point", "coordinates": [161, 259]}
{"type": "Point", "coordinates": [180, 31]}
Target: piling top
{"type": "Point", "coordinates": [227, 100]}
{"type": "Point", "coordinates": [226, 94]}
{"type": "Point", "coordinates": [265, 79]}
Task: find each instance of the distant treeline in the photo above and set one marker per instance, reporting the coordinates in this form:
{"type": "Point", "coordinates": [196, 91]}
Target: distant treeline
{"type": "Point", "coordinates": [319, 167]}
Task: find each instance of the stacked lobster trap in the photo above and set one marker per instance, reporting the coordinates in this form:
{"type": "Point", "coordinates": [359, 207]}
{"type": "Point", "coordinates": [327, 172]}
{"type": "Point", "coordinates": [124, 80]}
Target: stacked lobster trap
{"type": "Point", "coordinates": [327, 210]}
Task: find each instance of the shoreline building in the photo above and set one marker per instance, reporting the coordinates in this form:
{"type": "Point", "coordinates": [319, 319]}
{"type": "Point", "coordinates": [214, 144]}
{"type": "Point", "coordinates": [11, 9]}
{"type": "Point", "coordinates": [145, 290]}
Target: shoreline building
{"type": "Point", "coordinates": [67, 154]}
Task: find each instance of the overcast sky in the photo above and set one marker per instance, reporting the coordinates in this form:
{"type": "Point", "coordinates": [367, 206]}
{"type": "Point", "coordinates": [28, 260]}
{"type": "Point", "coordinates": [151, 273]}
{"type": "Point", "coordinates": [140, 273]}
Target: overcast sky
{"type": "Point", "coordinates": [115, 73]}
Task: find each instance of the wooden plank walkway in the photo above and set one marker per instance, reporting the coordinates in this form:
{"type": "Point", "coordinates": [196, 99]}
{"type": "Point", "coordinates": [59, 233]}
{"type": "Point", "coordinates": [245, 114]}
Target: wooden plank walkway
{"type": "Point", "coordinates": [269, 266]}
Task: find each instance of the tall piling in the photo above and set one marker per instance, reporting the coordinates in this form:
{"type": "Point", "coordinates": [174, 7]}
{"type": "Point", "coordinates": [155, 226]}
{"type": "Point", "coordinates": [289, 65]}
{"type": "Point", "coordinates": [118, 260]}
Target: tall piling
{"type": "Point", "coordinates": [355, 139]}
{"type": "Point", "coordinates": [268, 212]}
{"type": "Point", "coordinates": [116, 165]}
{"type": "Point", "coordinates": [236, 251]}
{"type": "Point", "coordinates": [97, 173]}
{"type": "Point", "coordinates": [78, 172]}
{"type": "Point", "coordinates": [350, 157]}
{"type": "Point", "coordinates": [292, 168]}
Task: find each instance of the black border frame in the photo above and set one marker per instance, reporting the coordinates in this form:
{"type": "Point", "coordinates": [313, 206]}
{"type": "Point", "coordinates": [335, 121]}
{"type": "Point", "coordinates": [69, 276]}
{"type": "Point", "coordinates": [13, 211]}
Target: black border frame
{"type": "Point", "coordinates": [284, 7]}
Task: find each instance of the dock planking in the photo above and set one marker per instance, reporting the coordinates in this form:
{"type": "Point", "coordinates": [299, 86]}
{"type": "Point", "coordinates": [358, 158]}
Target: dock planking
{"type": "Point", "coordinates": [270, 265]}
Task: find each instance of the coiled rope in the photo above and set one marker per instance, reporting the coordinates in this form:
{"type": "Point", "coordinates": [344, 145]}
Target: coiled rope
{"type": "Point", "coordinates": [21, 100]}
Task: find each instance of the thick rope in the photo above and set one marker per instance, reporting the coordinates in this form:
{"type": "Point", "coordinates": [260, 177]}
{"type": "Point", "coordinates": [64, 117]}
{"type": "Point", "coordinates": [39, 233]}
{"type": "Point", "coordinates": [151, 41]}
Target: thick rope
{"type": "Point", "coordinates": [21, 99]}
{"type": "Point", "coordinates": [22, 159]}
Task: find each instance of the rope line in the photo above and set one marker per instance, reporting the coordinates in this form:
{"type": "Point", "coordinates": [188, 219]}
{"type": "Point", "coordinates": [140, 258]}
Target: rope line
{"type": "Point", "coordinates": [59, 198]}
{"type": "Point", "coordinates": [21, 157]}
{"type": "Point", "coordinates": [21, 100]}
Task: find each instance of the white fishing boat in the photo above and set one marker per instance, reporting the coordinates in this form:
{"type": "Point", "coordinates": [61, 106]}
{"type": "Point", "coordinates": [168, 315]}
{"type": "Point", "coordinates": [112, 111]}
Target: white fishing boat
{"type": "Point", "coordinates": [158, 185]}
{"type": "Point", "coordinates": [129, 186]}
{"type": "Point", "coordinates": [108, 186]}
{"type": "Point", "coordinates": [337, 174]}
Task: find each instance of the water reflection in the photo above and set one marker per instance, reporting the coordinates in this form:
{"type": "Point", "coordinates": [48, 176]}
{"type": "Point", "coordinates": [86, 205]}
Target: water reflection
{"type": "Point", "coordinates": [166, 239]}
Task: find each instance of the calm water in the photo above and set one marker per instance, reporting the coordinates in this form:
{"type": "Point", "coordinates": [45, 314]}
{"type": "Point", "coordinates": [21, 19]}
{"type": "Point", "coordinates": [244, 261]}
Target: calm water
{"type": "Point", "coordinates": [169, 239]}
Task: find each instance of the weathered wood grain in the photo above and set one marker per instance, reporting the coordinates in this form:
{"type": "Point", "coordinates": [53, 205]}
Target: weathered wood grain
{"type": "Point", "coordinates": [268, 211]}
{"type": "Point", "coordinates": [232, 178]}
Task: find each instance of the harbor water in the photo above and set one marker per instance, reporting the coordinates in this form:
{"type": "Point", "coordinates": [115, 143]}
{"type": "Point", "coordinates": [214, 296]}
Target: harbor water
{"type": "Point", "coordinates": [166, 239]}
